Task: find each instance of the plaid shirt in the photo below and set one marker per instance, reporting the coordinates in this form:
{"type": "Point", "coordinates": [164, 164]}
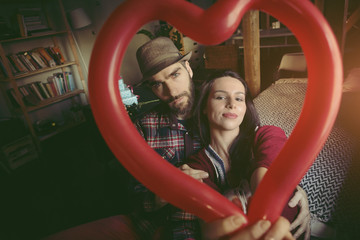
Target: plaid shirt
{"type": "Point", "coordinates": [172, 141]}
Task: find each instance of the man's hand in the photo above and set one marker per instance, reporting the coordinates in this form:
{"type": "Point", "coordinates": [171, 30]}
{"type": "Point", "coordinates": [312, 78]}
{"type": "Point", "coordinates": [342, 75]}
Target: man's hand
{"type": "Point", "coordinates": [197, 174]}
{"type": "Point", "coordinates": [226, 229]}
{"type": "Point", "coordinates": [302, 220]}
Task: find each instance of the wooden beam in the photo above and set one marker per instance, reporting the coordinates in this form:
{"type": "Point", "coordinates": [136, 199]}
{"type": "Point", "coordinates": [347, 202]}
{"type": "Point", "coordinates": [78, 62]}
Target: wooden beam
{"type": "Point", "coordinates": [335, 11]}
{"type": "Point", "coordinates": [250, 28]}
{"type": "Point", "coordinates": [320, 5]}
{"type": "Point", "coordinates": [350, 22]}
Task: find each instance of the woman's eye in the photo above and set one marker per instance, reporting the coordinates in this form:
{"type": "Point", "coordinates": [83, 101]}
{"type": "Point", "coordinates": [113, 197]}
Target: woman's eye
{"type": "Point", "coordinates": [240, 99]}
{"type": "Point", "coordinates": [219, 97]}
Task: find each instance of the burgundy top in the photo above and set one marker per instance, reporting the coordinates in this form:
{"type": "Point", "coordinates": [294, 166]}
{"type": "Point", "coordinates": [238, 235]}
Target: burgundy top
{"type": "Point", "coordinates": [269, 140]}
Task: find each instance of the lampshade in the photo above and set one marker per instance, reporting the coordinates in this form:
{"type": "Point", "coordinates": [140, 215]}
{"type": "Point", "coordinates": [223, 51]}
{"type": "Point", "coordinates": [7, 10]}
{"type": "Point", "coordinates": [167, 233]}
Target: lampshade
{"type": "Point", "coordinates": [79, 18]}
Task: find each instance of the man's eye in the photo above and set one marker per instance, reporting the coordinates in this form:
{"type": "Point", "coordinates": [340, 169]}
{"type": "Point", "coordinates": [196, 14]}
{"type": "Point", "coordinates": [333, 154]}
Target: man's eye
{"type": "Point", "coordinates": [176, 74]}
{"type": "Point", "coordinates": [155, 85]}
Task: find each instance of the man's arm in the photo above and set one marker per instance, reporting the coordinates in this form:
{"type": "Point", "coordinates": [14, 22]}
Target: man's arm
{"type": "Point", "coordinates": [302, 222]}
{"type": "Point", "coordinates": [142, 197]}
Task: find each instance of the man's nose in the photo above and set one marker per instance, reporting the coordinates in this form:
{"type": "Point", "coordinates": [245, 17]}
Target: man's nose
{"type": "Point", "coordinates": [171, 89]}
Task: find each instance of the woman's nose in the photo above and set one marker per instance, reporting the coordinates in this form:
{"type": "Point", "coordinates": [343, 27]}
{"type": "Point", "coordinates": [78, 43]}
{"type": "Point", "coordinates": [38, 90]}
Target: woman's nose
{"type": "Point", "coordinates": [231, 103]}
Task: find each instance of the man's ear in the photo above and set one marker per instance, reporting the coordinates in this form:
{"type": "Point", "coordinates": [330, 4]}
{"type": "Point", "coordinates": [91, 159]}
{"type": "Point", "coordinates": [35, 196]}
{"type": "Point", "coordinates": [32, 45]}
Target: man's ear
{"type": "Point", "coordinates": [188, 68]}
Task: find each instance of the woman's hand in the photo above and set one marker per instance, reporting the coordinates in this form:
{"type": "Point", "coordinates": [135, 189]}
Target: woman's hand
{"type": "Point", "coordinates": [302, 221]}
{"type": "Point", "coordinates": [197, 174]}
{"type": "Point", "coordinates": [227, 229]}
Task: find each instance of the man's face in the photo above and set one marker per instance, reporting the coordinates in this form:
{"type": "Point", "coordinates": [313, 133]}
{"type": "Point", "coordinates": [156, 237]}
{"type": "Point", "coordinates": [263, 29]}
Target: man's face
{"type": "Point", "coordinates": [174, 86]}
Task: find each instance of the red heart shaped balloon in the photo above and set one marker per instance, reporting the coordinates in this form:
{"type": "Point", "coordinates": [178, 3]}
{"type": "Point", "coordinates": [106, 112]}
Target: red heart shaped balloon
{"type": "Point", "coordinates": [214, 26]}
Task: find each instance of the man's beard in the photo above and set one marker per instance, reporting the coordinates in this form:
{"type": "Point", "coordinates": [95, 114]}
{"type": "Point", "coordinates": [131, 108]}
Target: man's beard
{"type": "Point", "coordinates": [184, 110]}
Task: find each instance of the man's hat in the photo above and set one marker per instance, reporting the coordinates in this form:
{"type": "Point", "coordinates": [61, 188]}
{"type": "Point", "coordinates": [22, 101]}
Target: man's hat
{"type": "Point", "coordinates": [158, 54]}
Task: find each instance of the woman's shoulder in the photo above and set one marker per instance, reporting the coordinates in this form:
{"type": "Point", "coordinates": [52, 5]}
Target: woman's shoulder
{"type": "Point", "coordinates": [269, 133]}
{"type": "Point", "coordinates": [269, 130]}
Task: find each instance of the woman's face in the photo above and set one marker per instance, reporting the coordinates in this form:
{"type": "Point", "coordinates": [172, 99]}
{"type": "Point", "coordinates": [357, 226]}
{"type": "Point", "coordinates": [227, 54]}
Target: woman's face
{"type": "Point", "coordinates": [226, 106]}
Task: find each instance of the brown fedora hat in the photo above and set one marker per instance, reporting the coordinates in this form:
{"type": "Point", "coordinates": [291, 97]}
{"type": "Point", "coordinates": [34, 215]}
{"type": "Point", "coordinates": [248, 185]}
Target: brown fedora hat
{"type": "Point", "coordinates": [158, 54]}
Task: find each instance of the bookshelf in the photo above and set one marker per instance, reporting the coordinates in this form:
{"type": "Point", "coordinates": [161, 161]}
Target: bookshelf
{"type": "Point", "coordinates": [56, 85]}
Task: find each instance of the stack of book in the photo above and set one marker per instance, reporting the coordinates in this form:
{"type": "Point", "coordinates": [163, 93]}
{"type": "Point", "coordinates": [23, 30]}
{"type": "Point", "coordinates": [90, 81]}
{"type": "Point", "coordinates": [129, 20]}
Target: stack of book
{"type": "Point", "coordinates": [35, 59]}
{"type": "Point", "coordinates": [35, 92]}
{"type": "Point", "coordinates": [32, 22]}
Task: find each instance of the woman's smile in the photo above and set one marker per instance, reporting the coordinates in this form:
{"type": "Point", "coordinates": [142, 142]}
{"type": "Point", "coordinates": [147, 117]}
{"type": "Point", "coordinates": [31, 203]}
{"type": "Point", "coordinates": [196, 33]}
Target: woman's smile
{"type": "Point", "coordinates": [230, 115]}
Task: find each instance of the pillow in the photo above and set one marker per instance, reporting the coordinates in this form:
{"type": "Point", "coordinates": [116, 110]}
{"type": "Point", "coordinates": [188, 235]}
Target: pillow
{"type": "Point", "coordinates": [352, 81]}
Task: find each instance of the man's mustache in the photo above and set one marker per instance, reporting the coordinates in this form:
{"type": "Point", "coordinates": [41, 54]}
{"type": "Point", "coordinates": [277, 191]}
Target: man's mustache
{"type": "Point", "coordinates": [171, 99]}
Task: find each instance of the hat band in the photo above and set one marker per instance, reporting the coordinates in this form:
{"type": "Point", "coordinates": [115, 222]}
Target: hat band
{"type": "Point", "coordinates": [159, 59]}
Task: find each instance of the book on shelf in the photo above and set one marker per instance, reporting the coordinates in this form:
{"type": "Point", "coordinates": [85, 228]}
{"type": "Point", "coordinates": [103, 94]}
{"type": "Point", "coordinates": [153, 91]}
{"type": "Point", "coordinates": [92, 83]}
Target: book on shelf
{"type": "Point", "coordinates": [29, 92]}
{"type": "Point", "coordinates": [26, 62]}
{"type": "Point", "coordinates": [33, 93]}
{"type": "Point", "coordinates": [13, 66]}
{"type": "Point", "coordinates": [47, 58]}
{"type": "Point", "coordinates": [50, 89]}
{"type": "Point", "coordinates": [30, 61]}
{"type": "Point", "coordinates": [22, 26]}
{"type": "Point", "coordinates": [59, 82]}
{"type": "Point", "coordinates": [52, 83]}
{"type": "Point", "coordinates": [37, 58]}
{"type": "Point", "coordinates": [29, 97]}
{"type": "Point", "coordinates": [70, 80]}
{"type": "Point", "coordinates": [12, 96]}
{"type": "Point", "coordinates": [59, 53]}
{"type": "Point", "coordinates": [36, 90]}
{"type": "Point", "coordinates": [3, 73]}
{"type": "Point", "coordinates": [67, 81]}
{"type": "Point", "coordinates": [34, 20]}
{"type": "Point", "coordinates": [56, 54]}
{"type": "Point", "coordinates": [17, 65]}
{"type": "Point", "coordinates": [42, 90]}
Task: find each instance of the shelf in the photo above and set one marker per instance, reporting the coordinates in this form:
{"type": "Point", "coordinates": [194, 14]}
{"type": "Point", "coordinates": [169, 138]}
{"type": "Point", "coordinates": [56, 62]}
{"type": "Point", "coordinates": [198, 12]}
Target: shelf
{"type": "Point", "coordinates": [53, 100]}
{"type": "Point", "coordinates": [45, 34]}
{"type": "Point", "coordinates": [60, 129]}
{"type": "Point", "coordinates": [272, 38]}
{"type": "Point", "coordinates": [269, 33]}
{"type": "Point", "coordinates": [42, 70]}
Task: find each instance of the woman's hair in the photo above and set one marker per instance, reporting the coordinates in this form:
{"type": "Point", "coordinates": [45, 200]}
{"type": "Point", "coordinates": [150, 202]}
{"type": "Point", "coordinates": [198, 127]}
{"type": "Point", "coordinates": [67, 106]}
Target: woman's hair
{"type": "Point", "coordinates": [240, 151]}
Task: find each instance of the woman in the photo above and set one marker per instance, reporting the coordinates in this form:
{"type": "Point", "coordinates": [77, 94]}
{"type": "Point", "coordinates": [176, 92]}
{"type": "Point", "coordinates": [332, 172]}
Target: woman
{"type": "Point", "coordinates": [237, 150]}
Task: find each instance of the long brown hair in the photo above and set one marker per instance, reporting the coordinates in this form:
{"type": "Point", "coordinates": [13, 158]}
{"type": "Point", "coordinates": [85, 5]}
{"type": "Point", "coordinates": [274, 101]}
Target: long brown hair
{"type": "Point", "coordinates": [240, 151]}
